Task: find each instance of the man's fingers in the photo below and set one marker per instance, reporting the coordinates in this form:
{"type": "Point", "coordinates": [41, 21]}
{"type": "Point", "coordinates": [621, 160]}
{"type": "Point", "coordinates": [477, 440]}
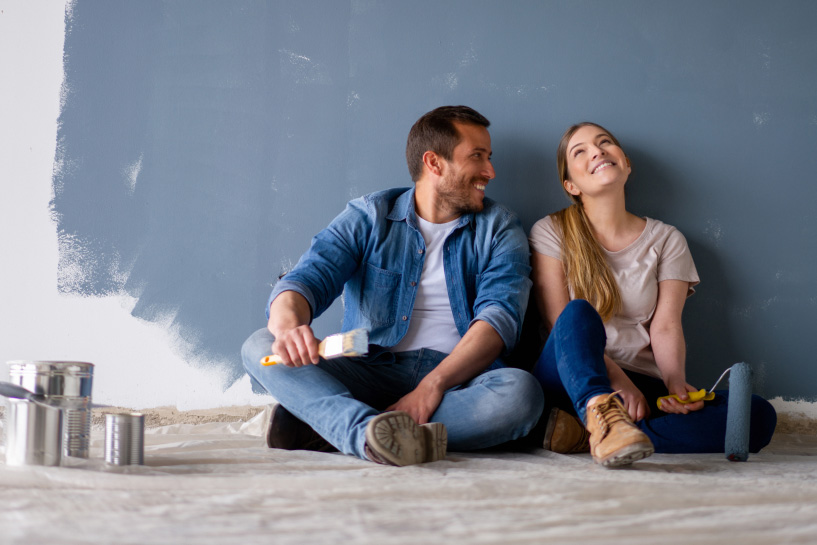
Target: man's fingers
{"type": "Point", "coordinates": [297, 348]}
{"type": "Point", "coordinates": [312, 353]}
{"type": "Point", "coordinates": [301, 356]}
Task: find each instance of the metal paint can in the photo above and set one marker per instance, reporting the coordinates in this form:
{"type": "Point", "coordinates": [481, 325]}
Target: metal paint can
{"type": "Point", "coordinates": [125, 439]}
{"type": "Point", "coordinates": [66, 385]}
{"type": "Point", "coordinates": [33, 434]}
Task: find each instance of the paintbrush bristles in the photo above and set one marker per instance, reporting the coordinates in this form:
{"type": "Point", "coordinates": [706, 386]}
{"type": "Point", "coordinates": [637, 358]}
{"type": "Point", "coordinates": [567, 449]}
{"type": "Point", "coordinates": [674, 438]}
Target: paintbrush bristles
{"type": "Point", "coordinates": [349, 344]}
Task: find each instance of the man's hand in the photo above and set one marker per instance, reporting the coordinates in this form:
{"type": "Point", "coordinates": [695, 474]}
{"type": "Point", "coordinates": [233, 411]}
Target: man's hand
{"type": "Point", "coordinates": [480, 345]}
{"type": "Point", "coordinates": [420, 403]}
{"type": "Point", "coordinates": [296, 347]}
{"type": "Point", "coordinates": [680, 388]}
{"type": "Point", "coordinates": [295, 342]}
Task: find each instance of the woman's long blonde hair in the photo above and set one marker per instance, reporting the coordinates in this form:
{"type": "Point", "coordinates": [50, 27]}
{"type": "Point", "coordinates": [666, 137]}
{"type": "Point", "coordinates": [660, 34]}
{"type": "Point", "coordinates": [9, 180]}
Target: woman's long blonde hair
{"type": "Point", "coordinates": [586, 269]}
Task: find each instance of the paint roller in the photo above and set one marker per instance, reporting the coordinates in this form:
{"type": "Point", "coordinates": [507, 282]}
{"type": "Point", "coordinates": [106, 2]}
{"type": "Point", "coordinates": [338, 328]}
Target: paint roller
{"type": "Point", "coordinates": [739, 410]}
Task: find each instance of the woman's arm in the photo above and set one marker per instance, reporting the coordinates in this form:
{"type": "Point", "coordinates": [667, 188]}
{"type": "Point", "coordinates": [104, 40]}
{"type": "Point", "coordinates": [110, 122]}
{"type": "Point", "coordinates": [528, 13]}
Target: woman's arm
{"type": "Point", "coordinates": [551, 295]}
{"type": "Point", "coordinates": [669, 349]}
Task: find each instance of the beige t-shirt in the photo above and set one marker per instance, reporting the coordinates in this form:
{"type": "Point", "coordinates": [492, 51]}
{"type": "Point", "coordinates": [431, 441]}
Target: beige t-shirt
{"type": "Point", "coordinates": [659, 253]}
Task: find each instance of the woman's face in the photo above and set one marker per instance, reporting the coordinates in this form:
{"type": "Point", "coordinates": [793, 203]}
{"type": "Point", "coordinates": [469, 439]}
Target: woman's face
{"type": "Point", "coordinates": [595, 163]}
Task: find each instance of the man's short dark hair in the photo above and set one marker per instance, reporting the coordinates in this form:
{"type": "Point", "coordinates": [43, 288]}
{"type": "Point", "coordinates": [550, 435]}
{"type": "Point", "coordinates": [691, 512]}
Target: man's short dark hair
{"type": "Point", "coordinates": [435, 131]}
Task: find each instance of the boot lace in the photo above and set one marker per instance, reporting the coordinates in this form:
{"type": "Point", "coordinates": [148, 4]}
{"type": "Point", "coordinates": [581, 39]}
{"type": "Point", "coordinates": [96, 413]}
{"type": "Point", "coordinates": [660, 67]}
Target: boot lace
{"type": "Point", "coordinates": [609, 412]}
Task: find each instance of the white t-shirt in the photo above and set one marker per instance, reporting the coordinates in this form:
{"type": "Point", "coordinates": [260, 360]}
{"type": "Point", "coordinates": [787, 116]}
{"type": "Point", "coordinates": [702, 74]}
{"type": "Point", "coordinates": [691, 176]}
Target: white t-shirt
{"type": "Point", "coordinates": [659, 253]}
{"type": "Point", "coordinates": [432, 320]}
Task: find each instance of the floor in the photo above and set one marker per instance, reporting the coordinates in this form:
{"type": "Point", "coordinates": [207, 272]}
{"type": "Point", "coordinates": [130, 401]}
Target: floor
{"type": "Point", "coordinates": [216, 482]}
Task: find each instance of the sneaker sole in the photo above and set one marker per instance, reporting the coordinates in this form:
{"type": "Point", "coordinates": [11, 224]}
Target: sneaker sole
{"type": "Point", "coordinates": [627, 455]}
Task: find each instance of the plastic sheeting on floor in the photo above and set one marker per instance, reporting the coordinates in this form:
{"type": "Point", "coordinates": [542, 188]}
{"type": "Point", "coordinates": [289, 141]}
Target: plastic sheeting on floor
{"type": "Point", "coordinates": [218, 483]}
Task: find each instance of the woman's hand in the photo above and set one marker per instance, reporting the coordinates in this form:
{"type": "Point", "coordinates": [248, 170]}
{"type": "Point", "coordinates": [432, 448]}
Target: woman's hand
{"type": "Point", "coordinates": [680, 388]}
{"type": "Point", "coordinates": [634, 401]}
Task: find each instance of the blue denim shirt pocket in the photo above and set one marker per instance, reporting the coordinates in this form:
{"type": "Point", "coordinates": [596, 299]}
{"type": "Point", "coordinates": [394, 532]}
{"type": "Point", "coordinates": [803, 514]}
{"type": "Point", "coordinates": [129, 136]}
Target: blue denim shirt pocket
{"type": "Point", "coordinates": [378, 298]}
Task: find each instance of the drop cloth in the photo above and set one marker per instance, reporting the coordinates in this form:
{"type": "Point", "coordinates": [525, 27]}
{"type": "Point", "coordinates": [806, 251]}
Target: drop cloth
{"type": "Point", "coordinates": [217, 483]}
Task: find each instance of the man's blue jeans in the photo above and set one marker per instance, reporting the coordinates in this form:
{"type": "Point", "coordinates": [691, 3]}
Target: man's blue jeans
{"type": "Point", "coordinates": [339, 396]}
{"type": "Point", "coordinates": [571, 371]}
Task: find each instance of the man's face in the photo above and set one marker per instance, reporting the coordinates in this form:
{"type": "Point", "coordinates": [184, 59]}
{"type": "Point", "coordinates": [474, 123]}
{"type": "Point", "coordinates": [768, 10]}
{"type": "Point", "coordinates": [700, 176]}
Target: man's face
{"type": "Point", "coordinates": [462, 187]}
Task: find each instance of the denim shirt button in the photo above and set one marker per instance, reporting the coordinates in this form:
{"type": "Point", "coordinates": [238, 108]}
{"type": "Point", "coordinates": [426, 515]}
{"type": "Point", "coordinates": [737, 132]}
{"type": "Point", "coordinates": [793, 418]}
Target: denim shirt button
{"type": "Point", "coordinates": [420, 251]}
{"type": "Point", "coordinates": [412, 284]}
{"type": "Point", "coordinates": [405, 318]}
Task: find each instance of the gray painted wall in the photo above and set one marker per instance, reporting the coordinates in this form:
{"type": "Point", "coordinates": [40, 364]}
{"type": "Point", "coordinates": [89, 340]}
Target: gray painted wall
{"type": "Point", "coordinates": [202, 143]}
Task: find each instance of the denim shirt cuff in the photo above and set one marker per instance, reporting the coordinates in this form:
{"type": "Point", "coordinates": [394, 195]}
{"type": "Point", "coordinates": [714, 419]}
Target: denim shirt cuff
{"type": "Point", "coordinates": [290, 285]}
{"type": "Point", "coordinates": [504, 324]}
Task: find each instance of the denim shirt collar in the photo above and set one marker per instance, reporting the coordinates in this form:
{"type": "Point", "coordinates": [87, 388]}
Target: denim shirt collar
{"type": "Point", "coordinates": [404, 210]}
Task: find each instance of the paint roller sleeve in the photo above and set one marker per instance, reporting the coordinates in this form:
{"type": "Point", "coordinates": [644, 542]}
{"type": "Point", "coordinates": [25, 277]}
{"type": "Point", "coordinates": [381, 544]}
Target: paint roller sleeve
{"type": "Point", "coordinates": [736, 445]}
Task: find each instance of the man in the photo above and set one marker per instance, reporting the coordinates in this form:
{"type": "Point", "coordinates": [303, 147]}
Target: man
{"type": "Point", "coordinates": [438, 275]}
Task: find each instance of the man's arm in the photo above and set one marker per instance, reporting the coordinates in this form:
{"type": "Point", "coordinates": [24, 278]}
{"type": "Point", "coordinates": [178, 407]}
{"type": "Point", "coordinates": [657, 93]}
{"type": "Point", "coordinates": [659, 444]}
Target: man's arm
{"type": "Point", "coordinates": [331, 259]}
{"type": "Point", "coordinates": [504, 282]}
{"type": "Point", "coordinates": [289, 319]}
{"type": "Point", "coordinates": [477, 349]}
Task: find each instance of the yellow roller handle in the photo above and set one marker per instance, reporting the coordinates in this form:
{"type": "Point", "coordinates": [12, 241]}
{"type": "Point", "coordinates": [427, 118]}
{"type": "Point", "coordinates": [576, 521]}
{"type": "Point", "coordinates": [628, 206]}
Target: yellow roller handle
{"type": "Point", "coordinates": [271, 360]}
{"type": "Point", "coordinates": [693, 397]}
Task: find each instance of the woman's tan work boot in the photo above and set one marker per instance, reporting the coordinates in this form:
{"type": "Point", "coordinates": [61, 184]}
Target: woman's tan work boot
{"type": "Point", "coordinates": [614, 439]}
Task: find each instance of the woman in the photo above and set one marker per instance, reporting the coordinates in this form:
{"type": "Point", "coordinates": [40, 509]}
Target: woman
{"type": "Point", "coordinates": [609, 362]}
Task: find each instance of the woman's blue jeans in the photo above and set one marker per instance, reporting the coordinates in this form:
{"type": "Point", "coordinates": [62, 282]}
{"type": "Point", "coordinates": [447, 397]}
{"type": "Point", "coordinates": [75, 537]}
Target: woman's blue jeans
{"type": "Point", "coordinates": [571, 371]}
{"type": "Point", "coordinates": [339, 396]}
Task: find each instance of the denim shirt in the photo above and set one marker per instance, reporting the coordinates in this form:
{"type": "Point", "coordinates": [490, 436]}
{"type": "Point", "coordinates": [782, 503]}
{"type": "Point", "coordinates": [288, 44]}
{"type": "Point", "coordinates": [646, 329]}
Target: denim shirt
{"type": "Point", "coordinates": [373, 252]}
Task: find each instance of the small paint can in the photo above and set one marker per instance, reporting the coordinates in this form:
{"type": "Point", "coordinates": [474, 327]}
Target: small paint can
{"type": "Point", "coordinates": [125, 439]}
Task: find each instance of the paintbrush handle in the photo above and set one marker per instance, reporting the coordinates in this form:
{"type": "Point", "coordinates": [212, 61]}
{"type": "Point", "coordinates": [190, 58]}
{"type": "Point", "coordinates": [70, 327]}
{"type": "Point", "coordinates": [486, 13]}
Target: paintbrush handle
{"type": "Point", "coordinates": [271, 360]}
{"type": "Point", "coordinates": [693, 397]}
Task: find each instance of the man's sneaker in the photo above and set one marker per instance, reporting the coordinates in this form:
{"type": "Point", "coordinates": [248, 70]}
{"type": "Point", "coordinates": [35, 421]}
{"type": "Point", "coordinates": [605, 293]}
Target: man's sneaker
{"type": "Point", "coordinates": [565, 433]}
{"type": "Point", "coordinates": [394, 438]}
{"type": "Point", "coordinates": [288, 433]}
{"type": "Point", "coordinates": [614, 439]}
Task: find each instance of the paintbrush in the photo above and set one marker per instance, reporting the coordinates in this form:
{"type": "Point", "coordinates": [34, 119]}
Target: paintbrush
{"type": "Point", "coordinates": [350, 344]}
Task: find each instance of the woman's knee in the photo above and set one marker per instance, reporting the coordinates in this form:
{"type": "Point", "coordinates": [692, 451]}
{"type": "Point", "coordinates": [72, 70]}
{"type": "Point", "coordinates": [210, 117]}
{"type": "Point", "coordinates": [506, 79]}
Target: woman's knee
{"type": "Point", "coordinates": [579, 311]}
{"type": "Point", "coordinates": [763, 422]}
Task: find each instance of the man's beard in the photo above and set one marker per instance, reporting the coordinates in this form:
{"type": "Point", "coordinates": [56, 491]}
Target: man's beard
{"type": "Point", "coordinates": [455, 195]}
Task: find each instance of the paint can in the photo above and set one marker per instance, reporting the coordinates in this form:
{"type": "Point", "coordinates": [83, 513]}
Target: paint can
{"type": "Point", "coordinates": [125, 439]}
{"type": "Point", "coordinates": [66, 386]}
{"type": "Point", "coordinates": [33, 434]}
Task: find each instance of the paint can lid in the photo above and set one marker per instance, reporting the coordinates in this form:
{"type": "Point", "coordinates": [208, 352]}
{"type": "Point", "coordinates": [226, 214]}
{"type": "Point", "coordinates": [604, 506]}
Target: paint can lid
{"type": "Point", "coordinates": [50, 368]}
